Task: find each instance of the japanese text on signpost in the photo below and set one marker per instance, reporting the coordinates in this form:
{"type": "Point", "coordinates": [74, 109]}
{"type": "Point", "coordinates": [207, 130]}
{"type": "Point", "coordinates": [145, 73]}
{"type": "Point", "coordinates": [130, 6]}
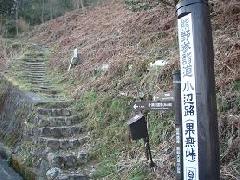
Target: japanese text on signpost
{"type": "Point", "coordinates": [188, 96]}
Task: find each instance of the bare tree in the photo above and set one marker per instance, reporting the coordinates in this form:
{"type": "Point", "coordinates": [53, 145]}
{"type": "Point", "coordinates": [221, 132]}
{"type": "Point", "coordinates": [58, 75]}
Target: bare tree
{"type": "Point", "coordinates": [16, 18]}
{"type": "Point", "coordinates": [82, 4]}
{"type": "Point", "coordinates": [51, 9]}
{"type": "Point", "coordinates": [78, 4]}
{"type": "Point", "coordinates": [43, 7]}
{"type": "Point", "coordinates": [1, 23]}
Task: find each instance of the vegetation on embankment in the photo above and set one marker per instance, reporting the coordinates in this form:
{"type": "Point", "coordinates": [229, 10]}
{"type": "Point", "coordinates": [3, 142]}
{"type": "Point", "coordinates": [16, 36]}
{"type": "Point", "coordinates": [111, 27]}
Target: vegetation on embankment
{"type": "Point", "coordinates": [128, 42]}
{"type": "Point", "coordinates": [14, 110]}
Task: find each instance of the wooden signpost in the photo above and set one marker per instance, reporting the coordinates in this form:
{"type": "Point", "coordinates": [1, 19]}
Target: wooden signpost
{"type": "Point", "coordinates": [194, 96]}
{"type": "Point", "coordinates": [198, 97]}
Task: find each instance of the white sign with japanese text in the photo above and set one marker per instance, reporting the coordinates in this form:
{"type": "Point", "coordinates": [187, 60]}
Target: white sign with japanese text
{"type": "Point", "coordinates": [188, 96]}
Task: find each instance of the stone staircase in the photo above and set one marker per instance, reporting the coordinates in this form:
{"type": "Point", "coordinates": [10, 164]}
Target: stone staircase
{"type": "Point", "coordinates": [56, 131]}
{"type": "Point", "coordinates": [62, 134]}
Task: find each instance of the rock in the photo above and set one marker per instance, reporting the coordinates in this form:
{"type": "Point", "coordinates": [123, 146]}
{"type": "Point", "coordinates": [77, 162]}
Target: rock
{"type": "Point", "coordinates": [102, 69]}
{"type": "Point", "coordinates": [55, 160]}
{"type": "Point", "coordinates": [53, 144]}
{"type": "Point", "coordinates": [43, 167]}
{"type": "Point", "coordinates": [70, 161]}
{"type": "Point", "coordinates": [50, 157]}
{"type": "Point", "coordinates": [63, 177]}
{"type": "Point", "coordinates": [75, 60]}
{"type": "Point", "coordinates": [46, 151]}
{"type": "Point", "coordinates": [53, 173]}
{"type": "Point", "coordinates": [158, 63]}
{"type": "Point", "coordinates": [62, 160]}
{"type": "Point", "coordinates": [66, 144]}
{"type": "Point", "coordinates": [3, 153]}
{"type": "Point", "coordinates": [82, 157]}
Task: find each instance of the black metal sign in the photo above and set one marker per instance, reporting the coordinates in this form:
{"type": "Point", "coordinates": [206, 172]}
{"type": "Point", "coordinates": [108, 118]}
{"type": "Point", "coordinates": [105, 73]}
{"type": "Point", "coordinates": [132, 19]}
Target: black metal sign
{"type": "Point", "coordinates": [167, 101]}
{"type": "Point", "coordinates": [153, 105]}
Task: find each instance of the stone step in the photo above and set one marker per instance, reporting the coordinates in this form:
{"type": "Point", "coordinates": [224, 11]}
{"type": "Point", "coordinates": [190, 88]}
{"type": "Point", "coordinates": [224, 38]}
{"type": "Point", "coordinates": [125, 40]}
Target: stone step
{"type": "Point", "coordinates": [54, 111]}
{"type": "Point", "coordinates": [56, 173]}
{"type": "Point", "coordinates": [48, 92]}
{"type": "Point", "coordinates": [47, 87]}
{"type": "Point", "coordinates": [46, 121]}
{"type": "Point", "coordinates": [38, 71]}
{"type": "Point", "coordinates": [62, 144]}
{"type": "Point", "coordinates": [36, 86]}
{"type": "Point", "coordinates": [37, 81]}
{"type": "Point", "coordinates": [36, 77]}
{"type": "Point", "coordinates": [35, 74]}
{"type": "Point", "coordinates": [40, 81]}
{"type": "Point", "coordinates": [37, 90]}
{"type": "Point", "coordinates": [34, 63]}
{"type": "Point", "coordinates": [66, 160]}
{"type": "Point", "coordinates": [33, 60]}
{"type": "Point", "coordinates": [60, 131]}
{"type": "Point", "coordinates": [35, 54]}
{"type": "Point", "coordinates": [53, 97]}
{"type": "Point", "coordinates": [29, 71]}
{"type": "Point", "coordinates": [72, 177]}
{"type": "Point", "coordinates": [45, 82]}
{"type": "Point", "coordinates": [57, 104]}
{"type": "Point", "coordinates": [35, 68]}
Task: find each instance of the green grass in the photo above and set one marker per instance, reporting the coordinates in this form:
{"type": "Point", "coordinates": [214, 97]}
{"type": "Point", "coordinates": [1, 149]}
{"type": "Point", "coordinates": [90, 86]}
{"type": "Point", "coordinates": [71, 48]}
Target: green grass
{"type": "Point", "coordinates": [236, 85]}
{"type": "Point", "coordinates": [106, 118]}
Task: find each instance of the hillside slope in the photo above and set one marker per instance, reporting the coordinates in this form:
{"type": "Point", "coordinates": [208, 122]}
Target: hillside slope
{"type": "Point", "coordinates": [126, 43]}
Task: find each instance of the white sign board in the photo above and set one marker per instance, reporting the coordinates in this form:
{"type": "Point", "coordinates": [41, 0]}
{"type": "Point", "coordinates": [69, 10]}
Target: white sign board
{"type": "Point", "coordinates": [75, 53]}
{"type": "Point", "coordinates": [188, 96]}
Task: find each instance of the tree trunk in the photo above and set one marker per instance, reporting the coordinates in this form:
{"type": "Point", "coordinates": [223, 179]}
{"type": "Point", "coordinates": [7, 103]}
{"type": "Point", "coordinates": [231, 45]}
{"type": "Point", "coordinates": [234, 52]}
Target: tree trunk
{"type": "Point", "coordinates": [1, 23]}
{"type": "Point", "coordinates": [51, 9]}
{"type": "Point", "coordinates": [43, 11]}
{"type": "Point", "coordinates": [82, 4]}
{"type": "Point", "coordinates": [16, 19]}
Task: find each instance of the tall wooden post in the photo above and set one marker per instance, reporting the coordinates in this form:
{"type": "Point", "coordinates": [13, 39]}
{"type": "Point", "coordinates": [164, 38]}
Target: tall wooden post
{"type": "Point", "coordinates": [199, 114]}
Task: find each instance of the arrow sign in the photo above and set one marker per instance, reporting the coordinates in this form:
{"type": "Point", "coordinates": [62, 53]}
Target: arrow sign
{"type": "Point", "coordinates": [153, 105]}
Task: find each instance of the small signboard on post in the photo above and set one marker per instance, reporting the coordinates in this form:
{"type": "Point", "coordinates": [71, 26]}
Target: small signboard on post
{"type": "Point", "coordinates": [163, 102]}
{"type": "Point", "coordinates": [153, 105]}
{"type": "Point", "coordinates": [166, 96]}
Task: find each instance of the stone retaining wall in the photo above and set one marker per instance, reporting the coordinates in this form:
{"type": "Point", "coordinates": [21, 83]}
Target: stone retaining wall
{"type": "Point", "coordinates": [15, 108]}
